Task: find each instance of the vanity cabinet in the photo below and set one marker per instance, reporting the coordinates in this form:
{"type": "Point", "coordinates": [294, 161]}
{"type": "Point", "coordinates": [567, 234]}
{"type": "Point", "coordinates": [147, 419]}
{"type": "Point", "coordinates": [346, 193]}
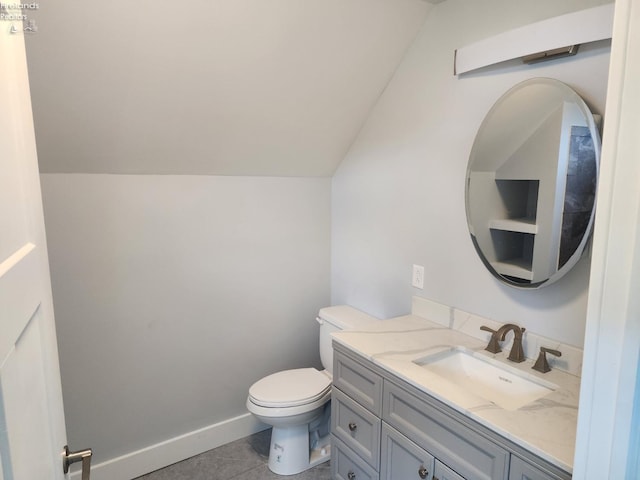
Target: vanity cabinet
{"type": "Point", "coordinates": [383, 428]}
{"type": "Point", "coordinates": [467, 452]}
{"type": "Point", "coordinates": [522, 470]}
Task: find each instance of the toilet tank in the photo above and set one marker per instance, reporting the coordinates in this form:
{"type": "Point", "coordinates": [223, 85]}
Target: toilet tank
{"type": "Point", "coordinates": [333, 319]}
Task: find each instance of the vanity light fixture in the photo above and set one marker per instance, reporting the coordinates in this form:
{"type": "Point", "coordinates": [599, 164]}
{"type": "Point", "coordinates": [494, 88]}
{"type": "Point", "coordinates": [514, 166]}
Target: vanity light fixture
{"type": "Point", "coordinates": [540, 39]}
{"type": "Point", "coordinates": [551, 54]}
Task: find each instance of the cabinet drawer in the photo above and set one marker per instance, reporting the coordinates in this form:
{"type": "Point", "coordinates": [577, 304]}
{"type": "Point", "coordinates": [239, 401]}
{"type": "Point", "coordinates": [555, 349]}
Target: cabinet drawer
{"type": "Point", "coordinates": [346, 465]}
{"type": "Point", "coordinates": [403, 459]}
{"type": "Point", "coordinates": [466, 451]}
{"type": "Point", "coordinates": [357, 381]}
{"type": "Point", "coordinates": [522, 470]}
{"type": "Point", "coordinates": [358, 428]}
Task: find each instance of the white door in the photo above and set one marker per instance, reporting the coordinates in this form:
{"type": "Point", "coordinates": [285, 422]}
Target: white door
{"type": "Point", "coordinates": [32, 432]}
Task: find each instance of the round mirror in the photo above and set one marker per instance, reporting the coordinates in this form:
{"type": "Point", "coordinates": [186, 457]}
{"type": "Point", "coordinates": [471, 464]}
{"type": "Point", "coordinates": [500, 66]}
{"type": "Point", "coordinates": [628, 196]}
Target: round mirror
{"type": "Point", "coordinates": [531, 183]}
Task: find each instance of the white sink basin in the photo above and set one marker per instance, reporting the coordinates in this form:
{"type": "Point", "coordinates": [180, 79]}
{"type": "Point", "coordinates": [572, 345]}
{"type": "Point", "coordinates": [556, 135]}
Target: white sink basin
{"type": "Point", "coordinates": [490, 379]}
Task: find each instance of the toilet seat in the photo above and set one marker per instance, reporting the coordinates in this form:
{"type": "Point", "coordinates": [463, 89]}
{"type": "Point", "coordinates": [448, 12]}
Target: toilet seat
{"type": "Point", "coordinates": [291, 388]}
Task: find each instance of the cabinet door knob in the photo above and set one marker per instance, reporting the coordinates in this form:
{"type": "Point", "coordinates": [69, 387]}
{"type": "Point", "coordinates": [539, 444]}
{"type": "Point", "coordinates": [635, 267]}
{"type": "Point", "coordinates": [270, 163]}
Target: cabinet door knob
{"type": "Point", "coordinates": [353, 426]}
{"type": "Point", "coordinates": [351, 475]}
{"type": "Point", "coordinates": [422, 472]}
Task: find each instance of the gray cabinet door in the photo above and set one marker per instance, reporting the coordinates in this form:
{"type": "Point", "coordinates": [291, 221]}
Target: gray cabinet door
{"type": "Point", "coordinates": [401, 459]}
{"type": "Point", "coordinates": [442, 472]}
{"type": "Point", "coordinates": [470, 453]}
{"type": "Point", "coordinates": [521, 470]}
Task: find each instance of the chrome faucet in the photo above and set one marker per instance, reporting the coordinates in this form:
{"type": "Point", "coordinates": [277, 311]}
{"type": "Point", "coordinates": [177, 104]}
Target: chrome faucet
{"type": "Point", "coordinates": [497, 336]}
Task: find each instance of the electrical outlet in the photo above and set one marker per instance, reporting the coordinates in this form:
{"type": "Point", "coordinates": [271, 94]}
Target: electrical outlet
{"type": "Point", "coordinates": [417, 279]}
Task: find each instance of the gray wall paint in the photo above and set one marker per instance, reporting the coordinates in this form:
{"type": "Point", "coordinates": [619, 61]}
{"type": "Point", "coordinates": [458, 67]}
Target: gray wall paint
{"type": "Point", "coordinates": [398, 197]}
{"type": "Point", "coordinates": [173, 294]}
{"type": "Point", "coordinates": [219, 87]}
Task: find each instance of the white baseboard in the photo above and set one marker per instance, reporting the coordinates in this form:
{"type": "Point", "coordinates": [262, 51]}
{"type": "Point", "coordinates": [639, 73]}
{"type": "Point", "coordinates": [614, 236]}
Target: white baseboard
{"type": "Point", "coordinates": [135, 464]}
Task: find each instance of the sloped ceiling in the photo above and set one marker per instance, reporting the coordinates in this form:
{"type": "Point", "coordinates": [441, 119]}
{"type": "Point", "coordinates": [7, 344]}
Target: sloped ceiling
{"type": "Point", "coordinates": [224, 87]}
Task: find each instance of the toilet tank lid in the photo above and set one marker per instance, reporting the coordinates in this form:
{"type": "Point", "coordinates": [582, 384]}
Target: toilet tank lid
{"type": "Point", "coordinates": [345, 317]}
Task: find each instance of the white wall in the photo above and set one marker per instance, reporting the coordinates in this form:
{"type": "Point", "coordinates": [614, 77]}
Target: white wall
{"type": "Point", "coordinates": [226, 87]}
{"type": "Point", "coordinates": [173, 294]}
{"type": "Point", "coordinates": [398, 197]}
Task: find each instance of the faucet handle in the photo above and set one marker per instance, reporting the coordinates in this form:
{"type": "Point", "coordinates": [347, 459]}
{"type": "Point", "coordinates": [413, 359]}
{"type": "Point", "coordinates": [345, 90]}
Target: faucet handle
{"type": "Point", "coordinates": [494, 344]}
{"type": "Point", "coordinates": [541, 364]}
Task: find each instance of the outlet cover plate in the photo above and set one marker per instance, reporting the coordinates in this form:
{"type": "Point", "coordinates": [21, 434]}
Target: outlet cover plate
{"type": "Point", "coordinates": [417, 278]}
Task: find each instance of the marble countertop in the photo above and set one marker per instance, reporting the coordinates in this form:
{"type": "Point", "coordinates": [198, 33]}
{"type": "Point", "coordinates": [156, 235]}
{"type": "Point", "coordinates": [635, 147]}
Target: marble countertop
{"type": "Point", "coordinates": [546, 427]}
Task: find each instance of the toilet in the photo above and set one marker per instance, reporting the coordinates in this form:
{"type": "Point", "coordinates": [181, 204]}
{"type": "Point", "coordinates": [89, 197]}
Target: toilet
{"type": "Point", "coordinates": [296, 403]}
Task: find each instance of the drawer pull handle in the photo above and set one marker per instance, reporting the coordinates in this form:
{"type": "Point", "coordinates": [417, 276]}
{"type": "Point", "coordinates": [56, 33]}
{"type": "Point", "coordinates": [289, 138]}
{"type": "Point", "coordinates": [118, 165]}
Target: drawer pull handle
{"type": "Point", "coordinates": [422, 472]}
{"type": "Point", "coordinates": [353, 427]}
{"type": "Point", "coordinates": [351, 475]}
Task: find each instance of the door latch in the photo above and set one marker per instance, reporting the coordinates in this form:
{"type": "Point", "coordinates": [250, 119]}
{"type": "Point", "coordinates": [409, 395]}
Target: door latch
{"type": "Point", "coordinates": [83, 456]}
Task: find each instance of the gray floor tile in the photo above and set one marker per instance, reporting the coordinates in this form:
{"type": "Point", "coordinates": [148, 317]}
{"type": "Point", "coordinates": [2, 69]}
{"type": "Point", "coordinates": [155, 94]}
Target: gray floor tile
{"type": "Point", "coordinates": [243, 459]}
{"type": "Point", "coordinates": [321, 472]}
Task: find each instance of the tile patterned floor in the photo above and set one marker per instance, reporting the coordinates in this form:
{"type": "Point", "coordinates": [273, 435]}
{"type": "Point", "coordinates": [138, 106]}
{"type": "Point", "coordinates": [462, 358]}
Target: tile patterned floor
{"type": "Point", "coordinates": [244, 459]}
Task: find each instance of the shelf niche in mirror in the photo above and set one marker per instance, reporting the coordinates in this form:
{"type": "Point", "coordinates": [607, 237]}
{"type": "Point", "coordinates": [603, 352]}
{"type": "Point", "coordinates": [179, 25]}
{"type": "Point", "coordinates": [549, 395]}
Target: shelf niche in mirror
{"type": "Point", "coordinates": [531, 183]}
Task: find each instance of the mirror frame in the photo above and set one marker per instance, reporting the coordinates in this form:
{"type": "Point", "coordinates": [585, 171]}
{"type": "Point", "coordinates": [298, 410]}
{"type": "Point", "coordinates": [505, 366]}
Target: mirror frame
{"type": "Point", "coordinates": [567, 94]}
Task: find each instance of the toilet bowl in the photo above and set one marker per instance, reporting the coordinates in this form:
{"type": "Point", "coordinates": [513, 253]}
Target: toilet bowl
{"type": "Point", "coordinates": [292, 402]}
{"type": "Point", "coordinates": [296, 403]}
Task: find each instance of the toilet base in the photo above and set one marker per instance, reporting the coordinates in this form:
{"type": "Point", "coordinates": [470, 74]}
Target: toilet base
{"type": "Point", "coordinates": [289, 452]}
